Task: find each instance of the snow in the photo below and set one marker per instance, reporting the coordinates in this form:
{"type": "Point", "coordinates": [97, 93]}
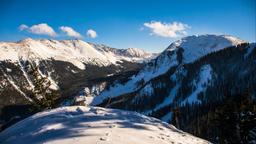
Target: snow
{"type": "Point", "coordinates": [18, 89]}
{"type": "Point", "coordinates": [178, 74]}
{"type": "Point", "coordinates": [194, 48]}
{"type": "Point", "coordinates": [135, 52]}
{"type": "Point", "coordinates": [54, 85]}
{"type": "Point", "coordinates": [109, 75]}
{"type": "Point", "coordinates": [90, 125]}
{"type": "Point", "coordinates": [8, 70]}
{"type": "Point", "coordinates": [132, 85]}
{"type": "Point", "coordinates": [198, 46]}
{"type": "Point", "coordinates": [26, 76]}
{"type": "Point", "coordinates": [147, 90]}
{"type": "Point", "coordinates": [10, 80]}
{"type": "Point", "coordinates": [167, 101]}
{"type": "Point", "coordinates": [250, 49]}
{"type": "Point", "coordinates": [76, 52]}
{"type": "Point", "coordinates": [205, 77]}
{"type": "Point", "coordinates": [117, 90]}
{"type": "Point", "coordinates": [167, 117]}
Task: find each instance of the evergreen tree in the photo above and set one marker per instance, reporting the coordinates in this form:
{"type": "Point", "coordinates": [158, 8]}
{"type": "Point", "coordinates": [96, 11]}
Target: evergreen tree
{"type": "Point", "coordinates": [44, 96]}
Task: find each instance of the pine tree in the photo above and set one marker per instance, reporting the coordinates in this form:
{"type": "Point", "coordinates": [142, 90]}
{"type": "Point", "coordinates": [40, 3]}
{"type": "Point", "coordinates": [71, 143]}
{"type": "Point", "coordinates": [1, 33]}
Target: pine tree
{"type": "Point", "coordinates": [44, 96]}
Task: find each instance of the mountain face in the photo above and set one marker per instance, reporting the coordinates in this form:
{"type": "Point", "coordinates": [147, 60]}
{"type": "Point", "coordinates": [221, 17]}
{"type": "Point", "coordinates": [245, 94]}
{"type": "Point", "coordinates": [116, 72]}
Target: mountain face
{"type": "Point", "coordinates": [76, 52]}
{"type": "Point", "coordinates": [204, 85]}
{"type": "Point", "coordinates": [179, 53]}
{"type": "Point", "coordinates": [37, 72]}
{"type": "Point", "coordinates": [90, 125]}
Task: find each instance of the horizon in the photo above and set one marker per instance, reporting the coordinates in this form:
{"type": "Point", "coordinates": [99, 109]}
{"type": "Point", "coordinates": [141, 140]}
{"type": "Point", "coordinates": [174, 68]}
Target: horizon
{"type": "Point", "coordinates": [148, 25]}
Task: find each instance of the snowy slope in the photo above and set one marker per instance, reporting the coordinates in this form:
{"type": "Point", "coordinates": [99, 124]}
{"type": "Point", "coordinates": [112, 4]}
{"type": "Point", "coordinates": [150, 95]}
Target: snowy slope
{"type": "Point", "coordinates": [94, 125]}
{"type": "Point", "coordinates": [76, 52]}
{"type": "Point", "coordinates": [250, 50]}
{"type": "Point", "coordinates": [205, 76]}
{"type": "Point", "coordinates": [183, 51]}
{"type": "Point", "coordinates": [198, 46]}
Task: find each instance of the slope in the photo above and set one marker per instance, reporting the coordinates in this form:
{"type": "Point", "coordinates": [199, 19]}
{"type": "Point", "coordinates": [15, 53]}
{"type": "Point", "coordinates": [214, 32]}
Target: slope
{"type": "Point", "coordinates": [94, 125]}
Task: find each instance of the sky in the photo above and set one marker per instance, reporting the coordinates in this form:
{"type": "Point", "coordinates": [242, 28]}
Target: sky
{"type": "Point", "coordinates": [148, 24]}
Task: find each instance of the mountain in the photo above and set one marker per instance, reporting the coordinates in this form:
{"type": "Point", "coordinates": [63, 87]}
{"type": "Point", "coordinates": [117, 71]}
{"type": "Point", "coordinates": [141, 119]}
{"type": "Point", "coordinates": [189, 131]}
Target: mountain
{"type": "Point", "coordinates": [79, 124]}
{"type": "Point", "coordinates": [204, 85]}
{"type": "Point", "coordinates": [33, 73]}
{"type": "Point", "coordinates": [76, 52]}
{"type": "Point", "coordinates": [181, 52]}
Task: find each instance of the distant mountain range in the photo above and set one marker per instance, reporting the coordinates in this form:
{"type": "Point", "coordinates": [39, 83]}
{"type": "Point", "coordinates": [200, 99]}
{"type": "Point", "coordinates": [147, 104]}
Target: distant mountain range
{"type": "Point", "coordinates": [76, 52]}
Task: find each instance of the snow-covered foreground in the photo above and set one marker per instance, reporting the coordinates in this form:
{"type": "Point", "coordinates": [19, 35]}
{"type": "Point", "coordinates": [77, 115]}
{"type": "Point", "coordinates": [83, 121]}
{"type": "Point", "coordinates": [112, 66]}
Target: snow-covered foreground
{"type": "Point", "coordinates": [93, 125]}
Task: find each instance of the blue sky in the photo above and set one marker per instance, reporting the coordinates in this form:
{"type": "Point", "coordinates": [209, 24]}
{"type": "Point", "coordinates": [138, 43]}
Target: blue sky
{"type": "Point", "coordinates": [148, 24]}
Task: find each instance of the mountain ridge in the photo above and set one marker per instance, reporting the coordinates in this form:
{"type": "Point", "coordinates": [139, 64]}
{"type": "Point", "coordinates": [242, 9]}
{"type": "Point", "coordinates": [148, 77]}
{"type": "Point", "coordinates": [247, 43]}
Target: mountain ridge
{"type": "Point", "coordinates": [75, 51]}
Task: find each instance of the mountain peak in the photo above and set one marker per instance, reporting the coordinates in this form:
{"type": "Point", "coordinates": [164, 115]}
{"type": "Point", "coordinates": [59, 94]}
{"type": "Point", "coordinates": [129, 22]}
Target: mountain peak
{"type": "Point", "coordinates": [198, 45]}
{"type": "Point", "coordinates": [26, 40]}
{"type": "Point", "coordinates": [207, 41]}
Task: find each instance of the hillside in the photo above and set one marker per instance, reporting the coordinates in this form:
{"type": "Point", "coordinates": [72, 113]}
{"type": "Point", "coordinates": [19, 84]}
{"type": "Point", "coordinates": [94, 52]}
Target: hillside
{"type": "Point", "coordinates": [94, 125]}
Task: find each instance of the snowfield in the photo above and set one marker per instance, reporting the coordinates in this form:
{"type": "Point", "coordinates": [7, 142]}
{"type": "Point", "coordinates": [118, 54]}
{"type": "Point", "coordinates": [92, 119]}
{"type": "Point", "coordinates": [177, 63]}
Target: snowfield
{"type": "Point", "coordinates": [94, 125]}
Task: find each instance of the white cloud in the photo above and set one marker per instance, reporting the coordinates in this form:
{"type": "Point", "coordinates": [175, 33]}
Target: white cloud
{"type": "Point", "coordinates": [70, 32]}
{"type": "Point", "coordinates": [170, 30]}
{"type": "Point", "coordinates": [41, 29]}
{"type": "Point", "coordinates": [23, 27]}
{"type": "Point", "coordinates": [91, 33]}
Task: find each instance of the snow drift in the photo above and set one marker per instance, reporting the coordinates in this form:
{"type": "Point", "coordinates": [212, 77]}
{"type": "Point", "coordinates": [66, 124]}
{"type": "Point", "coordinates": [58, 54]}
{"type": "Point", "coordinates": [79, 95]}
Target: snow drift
{"type": "Point", "coordinates": [79, 124]}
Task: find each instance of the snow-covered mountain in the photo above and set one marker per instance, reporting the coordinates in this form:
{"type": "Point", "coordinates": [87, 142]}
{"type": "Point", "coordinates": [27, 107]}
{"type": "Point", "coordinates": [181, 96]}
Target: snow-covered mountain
{"type": "Point", "coordinates": [76, 52]}
{"type": "Point", "coordinates": [193, 84]}
{"type": "Point", "coordinates": [79, 124]}
{"type": "Point", "coordinates": [186, 84]}
{"type": "Point", "coordinates": [183, 51]}
{"type": "Point", "coordinates": [30, 69]}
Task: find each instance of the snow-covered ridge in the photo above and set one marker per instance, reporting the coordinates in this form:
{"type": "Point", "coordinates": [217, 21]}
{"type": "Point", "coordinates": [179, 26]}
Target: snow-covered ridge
{"type": "Point", "coordinates": [197, 46]}
{"type": "Point", "coordinates": [77, 52]}
{"type": "Point", "coordinates": [90, 125]}
{"type": "Point", "coordinates": [189, 49]}
{"type": "Point", "coordinates": [129, 52]}
{"type": "Point", "coordinates": [186, 50]}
